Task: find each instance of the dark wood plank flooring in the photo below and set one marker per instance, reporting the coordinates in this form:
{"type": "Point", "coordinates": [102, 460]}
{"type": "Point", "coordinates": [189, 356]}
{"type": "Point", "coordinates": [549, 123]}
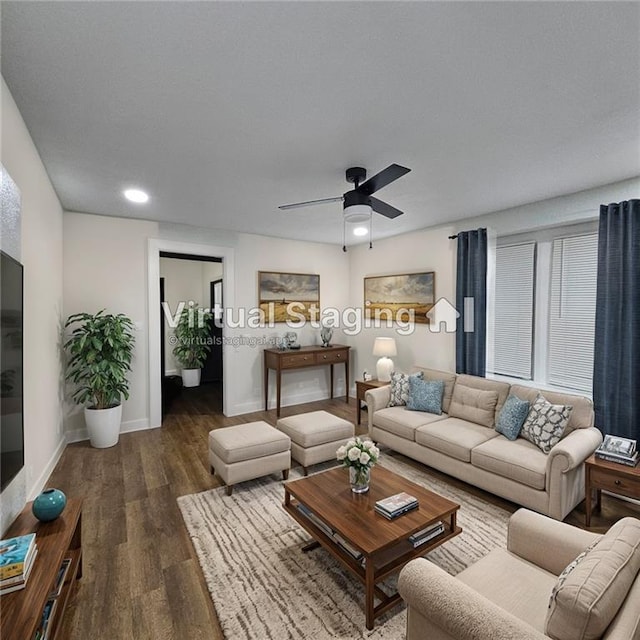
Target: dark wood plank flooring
{"type": "Point", "coordinates": [141, 576]}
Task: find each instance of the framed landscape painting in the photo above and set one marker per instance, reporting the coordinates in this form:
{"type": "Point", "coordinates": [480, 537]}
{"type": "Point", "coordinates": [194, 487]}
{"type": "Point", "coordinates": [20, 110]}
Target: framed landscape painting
{"type": "Point", "coordinates": [394, 297]}
{"type": "Point", "coordinates": [280, 295]}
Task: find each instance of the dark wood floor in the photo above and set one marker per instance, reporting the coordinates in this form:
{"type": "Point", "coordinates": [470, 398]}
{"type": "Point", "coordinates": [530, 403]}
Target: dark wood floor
{"type": "Point", "coordinates": [141, 577]}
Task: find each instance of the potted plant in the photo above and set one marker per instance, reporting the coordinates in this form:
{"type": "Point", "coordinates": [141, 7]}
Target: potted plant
{"type": "Point", "coordinates": [100, 348]}
{"type": "Point", "coordinates": [192, 337]}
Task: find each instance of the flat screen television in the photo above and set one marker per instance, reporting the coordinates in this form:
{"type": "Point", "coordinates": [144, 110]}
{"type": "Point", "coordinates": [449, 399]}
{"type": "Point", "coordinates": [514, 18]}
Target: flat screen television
{"type": "Point", "coordinates": [11, 378]}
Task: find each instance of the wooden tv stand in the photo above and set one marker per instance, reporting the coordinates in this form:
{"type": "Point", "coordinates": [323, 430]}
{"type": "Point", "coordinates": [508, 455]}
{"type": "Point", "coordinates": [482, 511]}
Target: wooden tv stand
{"type": "Point", "coordinates": [56, 540]}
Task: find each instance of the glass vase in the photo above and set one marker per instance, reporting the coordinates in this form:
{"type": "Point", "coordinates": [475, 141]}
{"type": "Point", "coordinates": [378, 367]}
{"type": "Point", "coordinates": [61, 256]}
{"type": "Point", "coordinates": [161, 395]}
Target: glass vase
{"type": "Point", "coordinates": [359, 479]}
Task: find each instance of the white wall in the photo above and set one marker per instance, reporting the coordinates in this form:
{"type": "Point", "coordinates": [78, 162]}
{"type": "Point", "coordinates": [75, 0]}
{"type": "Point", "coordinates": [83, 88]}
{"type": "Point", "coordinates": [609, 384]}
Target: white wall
{"type": "Point", "coordinates": [105, 266]}
{"type": "Point", "coordinates": [431, 250]}
{"type": "Point", "coordinates": [42, 260]}
{"type": "Point", "coordinates": [260, 253]}
{"type": "Point", "coordinates": [428, 250]}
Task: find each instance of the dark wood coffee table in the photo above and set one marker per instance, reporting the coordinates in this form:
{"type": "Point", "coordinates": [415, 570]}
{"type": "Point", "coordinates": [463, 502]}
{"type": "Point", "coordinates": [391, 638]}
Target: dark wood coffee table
{"type": "Point", "coordinates": [384, 543]}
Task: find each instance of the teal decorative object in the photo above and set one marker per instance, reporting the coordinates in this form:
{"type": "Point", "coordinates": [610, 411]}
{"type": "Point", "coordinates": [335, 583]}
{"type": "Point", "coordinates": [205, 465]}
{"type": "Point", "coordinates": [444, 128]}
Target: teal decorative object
{"type": "Point", "coordinates": [49, 505]}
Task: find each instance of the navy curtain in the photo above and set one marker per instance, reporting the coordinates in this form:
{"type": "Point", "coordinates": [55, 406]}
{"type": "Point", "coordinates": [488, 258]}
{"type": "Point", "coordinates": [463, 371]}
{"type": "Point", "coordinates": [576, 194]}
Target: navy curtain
{"type": "Point", "coordinates": [616, 366]}
{"type": "Point", "coordinates": [471, 302]}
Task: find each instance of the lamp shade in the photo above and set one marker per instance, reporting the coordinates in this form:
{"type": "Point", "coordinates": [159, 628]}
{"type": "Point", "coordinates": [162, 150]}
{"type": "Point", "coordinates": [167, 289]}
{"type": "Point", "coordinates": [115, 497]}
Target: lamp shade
{"type": "Point", "coordinates": [384, 347]}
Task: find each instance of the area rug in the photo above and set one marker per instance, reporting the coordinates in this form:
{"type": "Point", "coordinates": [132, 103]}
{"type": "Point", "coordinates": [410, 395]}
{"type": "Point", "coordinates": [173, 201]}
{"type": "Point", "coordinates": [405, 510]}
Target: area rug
{"type": "Point", "coordinates": [262, 584]}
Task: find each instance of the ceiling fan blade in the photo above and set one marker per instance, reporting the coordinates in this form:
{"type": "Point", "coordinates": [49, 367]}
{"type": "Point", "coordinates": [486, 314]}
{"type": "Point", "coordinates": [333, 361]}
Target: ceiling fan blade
{"type": "Point", "coordinates": [309, 203]}
{"type": "Point", "coordinates": [382, 179]}
{"type": "Point", "coordinates": [384, 209]}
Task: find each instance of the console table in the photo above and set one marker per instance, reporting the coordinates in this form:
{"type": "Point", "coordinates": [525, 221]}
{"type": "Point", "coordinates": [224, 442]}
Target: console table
{"type": "Point", "coordinates": [301, 358]}
{"type": "Point", "coordinates": [56, 540]}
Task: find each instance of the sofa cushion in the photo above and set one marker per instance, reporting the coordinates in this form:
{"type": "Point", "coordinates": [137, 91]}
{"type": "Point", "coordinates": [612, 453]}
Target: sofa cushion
{"type": "Point", "coordinates": [425, 395]}
{"type": "Point", "coordinates": [582, 414]}
{"type": "Point", "coordinates": [400, 387]}
{"type": "Point", "coordinates": [454, 437]}
{"type": "Point", "coordinates": [592, 593]}
{"type": "Point", "coordinates": [512, 416]}
{"type": "Point", "coordinates": [447, 377]}
{"type": "Point", "coordinates": [403, 423]}
{"type": "Point", "coordinates": [474, 405]}
{"type": "Point", "coordinates": [484, 384]}
{"type": "Point", "coordinates": [519, 460]}
{"type": "Point", "coordinates": [546, 423]}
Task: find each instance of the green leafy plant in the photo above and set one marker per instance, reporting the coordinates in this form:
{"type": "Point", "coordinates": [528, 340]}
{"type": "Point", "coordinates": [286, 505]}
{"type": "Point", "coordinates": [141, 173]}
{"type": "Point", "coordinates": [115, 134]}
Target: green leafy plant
{"type": "Point", "coordinates": [100, 349]}
{"type": "Point", "coordinates": [192, 337]}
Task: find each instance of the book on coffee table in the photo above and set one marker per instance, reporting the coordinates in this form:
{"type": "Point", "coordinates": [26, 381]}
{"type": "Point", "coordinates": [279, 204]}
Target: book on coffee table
{"type": "Point", "coordinates": [396, 505]}
{"type": "Point", "coordinates": [426, 534]}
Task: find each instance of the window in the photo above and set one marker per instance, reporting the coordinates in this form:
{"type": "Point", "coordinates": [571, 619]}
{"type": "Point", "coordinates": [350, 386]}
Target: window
{"type": "Point", "coordinates": [515, 280]}
{"type": "Point", "coordinates": [544, 307]}
{"type": "Point", "coordinates": [572, 312]}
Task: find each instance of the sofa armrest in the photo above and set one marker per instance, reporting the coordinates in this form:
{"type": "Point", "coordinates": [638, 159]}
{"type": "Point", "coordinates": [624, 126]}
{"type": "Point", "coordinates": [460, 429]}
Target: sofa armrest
{"type": "Point", "coordinates": [376, 399]}
{"type": "Point", "coordinates": [574, 449]}
{"type": "Point", "coordinates": [456, 609]}
{"type": "Point", "coordinates": [545, 542]}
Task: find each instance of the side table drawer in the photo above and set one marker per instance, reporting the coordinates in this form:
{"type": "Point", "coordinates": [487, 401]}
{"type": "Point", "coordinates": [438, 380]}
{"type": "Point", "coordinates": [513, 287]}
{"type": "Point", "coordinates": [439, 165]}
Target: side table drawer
{"type": "Point", "coordinates": [609, 481]}
{"type": "Point", "coordinates": [332, 356]}
{"type": "Point", "coordinates": [297, 360]}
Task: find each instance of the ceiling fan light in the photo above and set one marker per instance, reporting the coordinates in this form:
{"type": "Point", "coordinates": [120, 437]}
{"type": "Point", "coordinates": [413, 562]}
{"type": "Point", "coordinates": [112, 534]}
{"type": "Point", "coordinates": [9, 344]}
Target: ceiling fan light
{"type": "Point", "coordinates": [357, 213]}
{"type": "Point", "coordinates": [360, 231]}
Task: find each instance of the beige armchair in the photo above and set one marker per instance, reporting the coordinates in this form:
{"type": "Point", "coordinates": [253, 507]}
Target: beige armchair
{"type": "Point", "coordinates": [507, 595]}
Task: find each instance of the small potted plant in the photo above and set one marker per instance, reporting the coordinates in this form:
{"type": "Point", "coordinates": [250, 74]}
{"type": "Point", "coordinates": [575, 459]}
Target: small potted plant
{"type": "Point", "coordinates": [359, 455]}
{"type": "Point", "coordinates": [100, 348]}
{"type": "Point", "coordinates": [192, 338]}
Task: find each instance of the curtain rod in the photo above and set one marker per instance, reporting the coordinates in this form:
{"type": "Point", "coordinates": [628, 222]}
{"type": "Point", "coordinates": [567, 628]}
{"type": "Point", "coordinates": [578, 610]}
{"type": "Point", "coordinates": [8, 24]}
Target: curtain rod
{"type": "Point", "coordinates": [453, 237]}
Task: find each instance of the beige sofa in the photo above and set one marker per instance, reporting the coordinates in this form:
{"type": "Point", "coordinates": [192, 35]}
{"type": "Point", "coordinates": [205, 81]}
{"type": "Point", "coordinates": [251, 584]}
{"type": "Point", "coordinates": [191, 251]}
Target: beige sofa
{"type": "Point", "coordinates": [507, 595]}
{"type": "Point", "coordinates": [552, 484]}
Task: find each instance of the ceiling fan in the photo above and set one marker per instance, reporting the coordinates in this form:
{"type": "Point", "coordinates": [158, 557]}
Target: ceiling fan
{"type": "Point", "coordinates": [359, 202]}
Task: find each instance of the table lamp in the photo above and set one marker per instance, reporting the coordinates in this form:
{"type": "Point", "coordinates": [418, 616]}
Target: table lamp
{"type": "Point", "coordinates": [384, 347]}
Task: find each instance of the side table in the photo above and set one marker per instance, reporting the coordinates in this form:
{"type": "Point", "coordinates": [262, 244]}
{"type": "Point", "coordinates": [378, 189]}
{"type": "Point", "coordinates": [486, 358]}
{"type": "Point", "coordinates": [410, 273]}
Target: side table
{"type": "Point", "coordinates": [362, 386]}
{"type": "Point", "coordinates": [610, 476]}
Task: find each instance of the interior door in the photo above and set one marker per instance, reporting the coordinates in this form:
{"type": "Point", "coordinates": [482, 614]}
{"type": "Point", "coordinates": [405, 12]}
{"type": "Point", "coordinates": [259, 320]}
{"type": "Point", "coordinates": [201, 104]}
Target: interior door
{"type": "Point", "coordinates": [212, 370]}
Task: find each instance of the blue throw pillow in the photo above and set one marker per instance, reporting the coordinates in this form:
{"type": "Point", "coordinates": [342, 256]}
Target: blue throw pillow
{"type": "Point", "coordinates": [425, 395]}
{"type": "Point", "coordinates": [512, 416]}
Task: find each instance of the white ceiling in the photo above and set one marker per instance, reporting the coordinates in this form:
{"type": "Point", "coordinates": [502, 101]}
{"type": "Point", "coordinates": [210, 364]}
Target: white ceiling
{"type": "Point", "coordinates": [224, 110]}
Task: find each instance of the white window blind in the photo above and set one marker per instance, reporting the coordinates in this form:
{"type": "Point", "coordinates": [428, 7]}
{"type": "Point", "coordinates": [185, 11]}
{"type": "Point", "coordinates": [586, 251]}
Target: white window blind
{"type": "Point", "coordinates": [572, 312]}
{"type": "Point", "coordinates": [514, 301]}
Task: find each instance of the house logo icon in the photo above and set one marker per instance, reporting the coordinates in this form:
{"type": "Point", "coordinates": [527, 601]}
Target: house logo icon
{"type": "Point", "coordinates": [443, 313]}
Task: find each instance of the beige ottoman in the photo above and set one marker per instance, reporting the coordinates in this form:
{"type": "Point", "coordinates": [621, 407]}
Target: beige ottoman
{"type": "Point", "coordinates": [315, 436]}
{"type": "Point", "coordinates": [248, 451]}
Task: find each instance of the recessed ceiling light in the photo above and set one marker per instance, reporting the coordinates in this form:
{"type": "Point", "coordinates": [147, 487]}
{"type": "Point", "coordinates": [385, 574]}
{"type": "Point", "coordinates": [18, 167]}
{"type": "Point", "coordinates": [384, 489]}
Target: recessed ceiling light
{"type": "Point", "coordinates": [136, 195]}
{"type": "Point", "coordinates": [360, 231]}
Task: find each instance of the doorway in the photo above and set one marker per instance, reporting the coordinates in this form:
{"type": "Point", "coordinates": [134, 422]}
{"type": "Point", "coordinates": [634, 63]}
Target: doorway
{"type": "Point", "coordinates": [186, 279]}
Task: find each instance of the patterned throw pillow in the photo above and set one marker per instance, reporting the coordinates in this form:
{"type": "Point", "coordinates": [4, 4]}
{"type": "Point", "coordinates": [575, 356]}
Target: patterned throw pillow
{"type": "Point", "coordinates": [425, 395]}
{"type": "Point", "coordinates": [512, 416]}
{"type": "Point", "coordinates": [562, 578]}
{"type": "Point", "coordinates": [400, 387]}
{"type": "Point", "coordinates": [546, 423]}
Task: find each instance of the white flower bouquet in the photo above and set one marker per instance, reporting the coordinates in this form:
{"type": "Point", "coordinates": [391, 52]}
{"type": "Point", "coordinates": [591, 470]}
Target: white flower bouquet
{"type": "Point", "coordinates": [359, 455]}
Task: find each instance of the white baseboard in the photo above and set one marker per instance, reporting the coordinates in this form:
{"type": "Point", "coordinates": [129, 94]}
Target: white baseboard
{"type": "Point", "coordinates": [39, 484]}
{"type": "Point", "coordinates": [78, 435]}
{"type": "Point", "coordinates": [291, 400]}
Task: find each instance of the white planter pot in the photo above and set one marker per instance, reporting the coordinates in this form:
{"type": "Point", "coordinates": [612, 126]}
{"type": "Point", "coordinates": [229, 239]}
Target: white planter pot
{"type": "Point", "coordinates": [103, 426]}
{"type": "Point", "coordinates": [190, 377]}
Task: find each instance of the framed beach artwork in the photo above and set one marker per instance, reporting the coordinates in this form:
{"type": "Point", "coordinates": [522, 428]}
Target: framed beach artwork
{"type": "Point", "coordinates": [281, 295]}
{"type": "Point", "coordinates": [394, 298]}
